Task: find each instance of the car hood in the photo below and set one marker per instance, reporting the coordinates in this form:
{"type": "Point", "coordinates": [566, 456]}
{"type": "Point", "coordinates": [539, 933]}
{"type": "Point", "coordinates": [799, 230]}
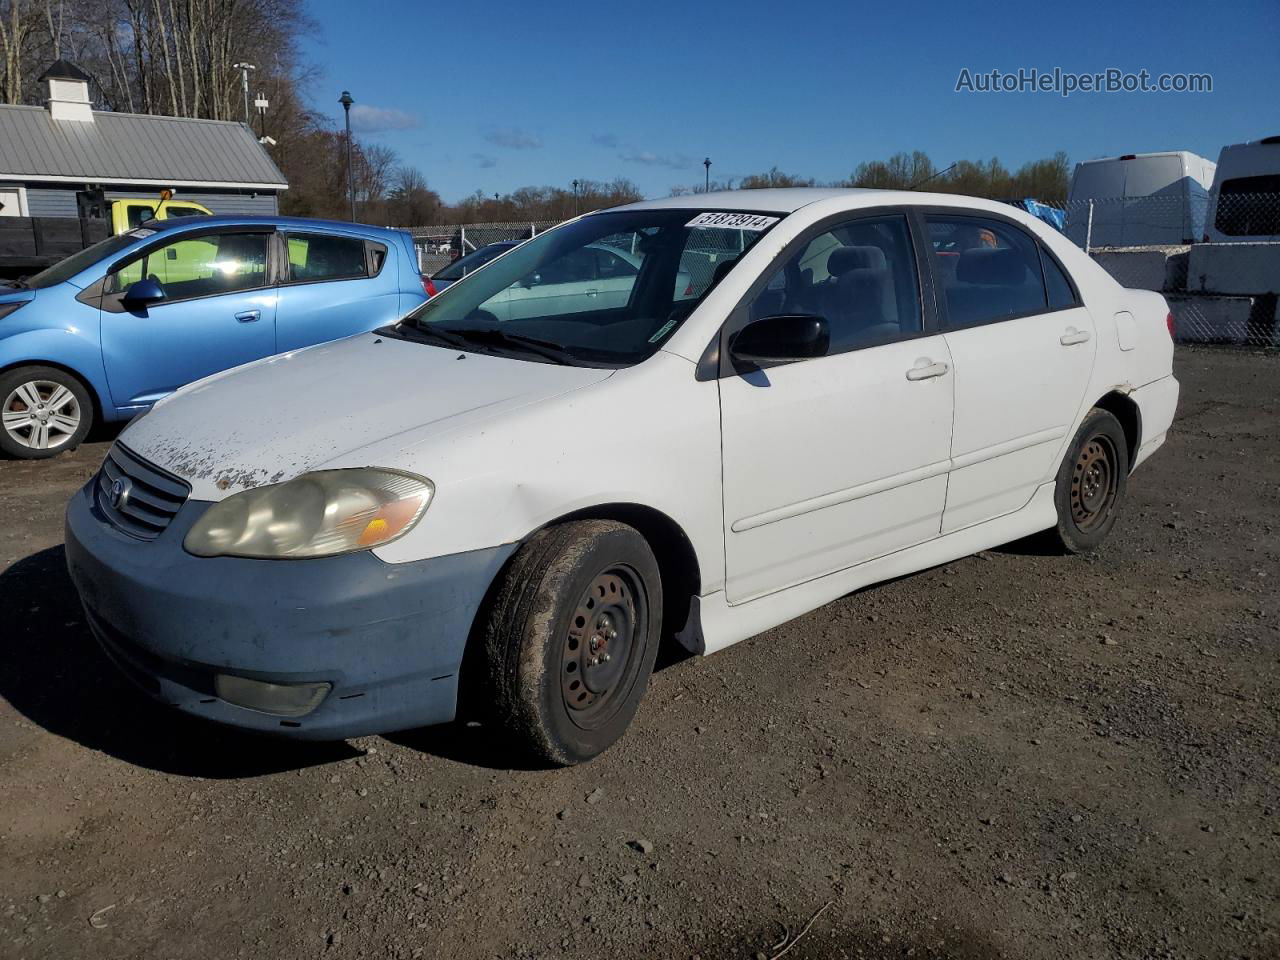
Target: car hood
{"type": "Point", "coordinates": [277, 418]}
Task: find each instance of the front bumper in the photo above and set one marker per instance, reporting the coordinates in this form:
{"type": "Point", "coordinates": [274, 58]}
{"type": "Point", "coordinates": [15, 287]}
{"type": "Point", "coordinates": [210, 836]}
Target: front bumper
{"type": "Point", "coordinates": [388, 637]}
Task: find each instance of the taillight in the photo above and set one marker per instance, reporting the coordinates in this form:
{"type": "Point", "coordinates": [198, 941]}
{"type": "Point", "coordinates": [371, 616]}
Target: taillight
{"type": "Point", "coordinates": [1169, 321]}
{"type": "Point", "coordinates": [427, 286]}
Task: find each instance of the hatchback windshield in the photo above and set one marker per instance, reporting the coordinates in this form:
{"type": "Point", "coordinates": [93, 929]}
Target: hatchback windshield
{"type": "Point", "coordinates": [606, 290]}
{"type": "Point", "coordinates": [86, 258]}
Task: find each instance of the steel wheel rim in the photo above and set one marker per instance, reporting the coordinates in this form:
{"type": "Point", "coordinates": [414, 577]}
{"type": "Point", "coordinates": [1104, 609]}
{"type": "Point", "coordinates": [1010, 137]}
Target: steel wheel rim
{"type": "Point", "coordinates": [41, 414]}
{"type": "Point", "coordinates": [1094, 482]}
{"type": "Point", "coordinates": [600, 653]}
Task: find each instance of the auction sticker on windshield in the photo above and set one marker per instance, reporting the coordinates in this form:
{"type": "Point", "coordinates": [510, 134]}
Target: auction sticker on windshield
{"type": "Point", "coordinates": [733, 221]}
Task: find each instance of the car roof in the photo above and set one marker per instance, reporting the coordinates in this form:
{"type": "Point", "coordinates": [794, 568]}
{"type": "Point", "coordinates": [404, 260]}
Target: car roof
{"type": "Point", "coordinates": [768, 200]}
{"type": "Point", "coordinates": [301, 223]}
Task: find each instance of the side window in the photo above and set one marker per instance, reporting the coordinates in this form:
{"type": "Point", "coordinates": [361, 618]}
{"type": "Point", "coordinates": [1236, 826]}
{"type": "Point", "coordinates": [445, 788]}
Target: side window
{"type": "Point", "coordinates": [314, 257]}
{"type": "Point", "coordinates": [174, 211]}
{"type": "Point", "coordinates": [859, 276]}
{"type": "Point", "coordinates": [989, 269]}
{"type": "Point", "coordinates": [140, 214]}
{"type": "Point", "coordinates": [200, 266]}
{"type": "Point", "coordinates": [611, 266]}
{"type": "Point", "coordinates": [1061, 296]}
{"type": "Point", "coordinates": [575, 266]}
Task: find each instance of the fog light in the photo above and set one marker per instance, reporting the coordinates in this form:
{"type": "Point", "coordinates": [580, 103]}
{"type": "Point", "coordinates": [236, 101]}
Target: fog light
{"type": "Point", "coordinates": [281, 699]}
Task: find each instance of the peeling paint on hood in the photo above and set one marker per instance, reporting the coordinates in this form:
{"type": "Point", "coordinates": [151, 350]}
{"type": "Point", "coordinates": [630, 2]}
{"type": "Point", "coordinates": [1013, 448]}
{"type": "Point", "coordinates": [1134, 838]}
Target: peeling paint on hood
{"type": "Point", "coordinates": [274, 419]}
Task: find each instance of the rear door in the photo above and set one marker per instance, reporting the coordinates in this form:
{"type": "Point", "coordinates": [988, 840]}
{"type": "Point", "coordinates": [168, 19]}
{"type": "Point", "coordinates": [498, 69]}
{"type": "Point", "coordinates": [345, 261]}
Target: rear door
{"type": "Point", "coordinates": [218, 312]}
{"type": "Point", "coordinates": [332, 286]}
{"type": "Point", "coordinates": [834, 461]}
{"type": "Point", "coordinates": [1023, 348]}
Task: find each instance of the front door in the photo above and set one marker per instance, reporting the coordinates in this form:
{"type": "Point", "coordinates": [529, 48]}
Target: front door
{"type": "Point", "coordinates": [1023, 347]}
{"type": "Point", "coordinates": [838, 460]}
{"type": "Point", "coordinates": [218, 312]}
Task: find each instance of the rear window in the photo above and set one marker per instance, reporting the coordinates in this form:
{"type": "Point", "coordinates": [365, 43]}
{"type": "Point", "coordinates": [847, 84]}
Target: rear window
{"type": "Point", "coordinates": [316, 257]}
{"type": "Point", "coordinates": [1249, 206]}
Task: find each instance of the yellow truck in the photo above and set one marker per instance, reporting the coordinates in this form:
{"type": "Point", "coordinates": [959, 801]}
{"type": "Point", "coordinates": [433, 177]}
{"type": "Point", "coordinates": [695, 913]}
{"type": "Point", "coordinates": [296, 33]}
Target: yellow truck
{"type": "Point", "coordinates": [29, 244]}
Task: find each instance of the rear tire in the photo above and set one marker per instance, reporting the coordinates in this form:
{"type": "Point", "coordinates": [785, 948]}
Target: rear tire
{"type": "Point", "coordinates": [45, 411]}
{"type": "Point", "coordinates": [1091, 483]}
{"type": "Point", "coordinates": [571, 637]}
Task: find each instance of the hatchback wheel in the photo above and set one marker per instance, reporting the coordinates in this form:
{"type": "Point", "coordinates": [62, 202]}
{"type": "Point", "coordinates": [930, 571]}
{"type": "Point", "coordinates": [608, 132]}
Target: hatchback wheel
{"type": "Point", "coordinates": [44, 411]}
{"type": "Point", "coordinates": [1091, 483]}
{"type": "Point", "coordinates": [571, 639]}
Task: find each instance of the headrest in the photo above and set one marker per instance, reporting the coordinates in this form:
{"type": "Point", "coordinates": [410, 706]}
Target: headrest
{"type": "Point", "coordinates": [1002, 267]}
{"type": "Point", "coordinates": [722, 269]}
{"type": "Point", "coordinates": [843, 259]}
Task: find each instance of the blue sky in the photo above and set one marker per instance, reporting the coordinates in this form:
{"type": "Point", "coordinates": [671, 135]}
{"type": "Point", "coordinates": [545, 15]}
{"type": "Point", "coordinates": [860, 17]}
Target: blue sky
{"type": "Point", "coordinates": [497, 95]}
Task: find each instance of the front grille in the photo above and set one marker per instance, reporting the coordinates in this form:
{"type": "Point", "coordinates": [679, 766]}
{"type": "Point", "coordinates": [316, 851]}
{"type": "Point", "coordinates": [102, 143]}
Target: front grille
{"type": "Point", "coordinates": [152, 496]}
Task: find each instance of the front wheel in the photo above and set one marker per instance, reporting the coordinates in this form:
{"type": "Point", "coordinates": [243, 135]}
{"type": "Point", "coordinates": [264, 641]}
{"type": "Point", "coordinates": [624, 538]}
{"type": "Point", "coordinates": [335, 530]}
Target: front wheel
{"type": "Point", "coordinates": [1091, 483]}
{"type": "Point", "coordinates": [571, 638]}
{"type": "Point", "coordinates": [44, 410]}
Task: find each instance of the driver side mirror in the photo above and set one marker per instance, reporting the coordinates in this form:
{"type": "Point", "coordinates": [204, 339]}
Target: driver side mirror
{"type": "Point", "coordinates": [782, 338]}
{"type": "Point", "coordinates": [144, 292]}
{"type": "Point", "coordinates": [531, 280]}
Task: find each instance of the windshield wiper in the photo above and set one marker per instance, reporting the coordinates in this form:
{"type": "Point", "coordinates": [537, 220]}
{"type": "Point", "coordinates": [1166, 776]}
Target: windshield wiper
{"type": "Point", "coordinates": [422, 331]}
{"type": "Point", "coordinates": [500, 338]}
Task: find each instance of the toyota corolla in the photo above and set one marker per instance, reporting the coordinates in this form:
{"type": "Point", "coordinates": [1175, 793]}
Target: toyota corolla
{"type": "Point", "coordinates": [507, 511]}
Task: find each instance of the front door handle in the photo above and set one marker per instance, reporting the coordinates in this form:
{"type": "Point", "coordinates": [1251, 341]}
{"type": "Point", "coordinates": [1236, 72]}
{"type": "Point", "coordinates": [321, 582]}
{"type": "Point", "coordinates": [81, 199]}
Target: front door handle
{"type": "Point", "coordinates": [1073, 336]}
{"type": "Point", "coordinates": [248, 316]}
{"type": "Point", "coordinates": [592, 292]}
{"type": "Point", "coordinates": [925, 370]}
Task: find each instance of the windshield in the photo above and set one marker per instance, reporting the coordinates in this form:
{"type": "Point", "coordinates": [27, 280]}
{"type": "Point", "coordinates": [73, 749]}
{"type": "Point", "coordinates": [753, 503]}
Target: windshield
{"type": "Point", "coordinates": [472, 261]}
{"type": "Point", "coordinates": [606, 290]}
{"type": "Point", "coordinates": [86, 258]}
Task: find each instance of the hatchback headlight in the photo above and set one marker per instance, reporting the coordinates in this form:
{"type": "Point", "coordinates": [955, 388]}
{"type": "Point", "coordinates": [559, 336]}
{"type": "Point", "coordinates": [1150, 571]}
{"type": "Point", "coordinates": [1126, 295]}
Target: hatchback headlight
{"type": "Point", "coordinates": [315, 515]}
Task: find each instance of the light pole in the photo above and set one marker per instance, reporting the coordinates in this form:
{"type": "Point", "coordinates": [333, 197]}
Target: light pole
{"type": "Point", "coordinates": [707, 163]}
{"type": "Point", "coordinates": [346, 102]}
{"type": "Point", "coordinates": [576, 209]}
{"type": "Point", "coordinates": [244, 69]}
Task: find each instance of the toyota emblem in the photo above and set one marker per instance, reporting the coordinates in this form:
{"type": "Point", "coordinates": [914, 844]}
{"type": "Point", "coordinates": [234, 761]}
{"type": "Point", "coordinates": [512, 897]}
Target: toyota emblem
{"type": "Point", "coordinates": [120, 492]}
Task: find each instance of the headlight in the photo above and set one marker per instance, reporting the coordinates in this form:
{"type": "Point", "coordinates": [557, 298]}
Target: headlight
{"type": "Point", "coordinates": [315, 515]}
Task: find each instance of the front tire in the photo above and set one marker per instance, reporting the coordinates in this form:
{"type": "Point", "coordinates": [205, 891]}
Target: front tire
{"type": "Point", "coordinates": [44, 412]}
{"type": "Point", "coordinates": [571, 638]}
{"type": "Point", "coordinates": [1091, 483]}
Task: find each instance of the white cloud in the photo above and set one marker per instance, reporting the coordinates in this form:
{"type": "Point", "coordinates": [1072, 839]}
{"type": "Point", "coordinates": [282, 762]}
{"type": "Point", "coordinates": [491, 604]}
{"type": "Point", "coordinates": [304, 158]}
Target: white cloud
{"type": "Point", "coordinates": [513, 138]}
{"type": "Point", "coordinates": [367, 119]}
{"type": "Point", "coordinates": [676, 161]}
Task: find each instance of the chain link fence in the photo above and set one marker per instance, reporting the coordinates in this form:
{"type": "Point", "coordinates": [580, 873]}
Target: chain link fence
{"type": "Point", "coordinates": [437, 247]}
{"type": "Point", "coordinates": [1216, 259]}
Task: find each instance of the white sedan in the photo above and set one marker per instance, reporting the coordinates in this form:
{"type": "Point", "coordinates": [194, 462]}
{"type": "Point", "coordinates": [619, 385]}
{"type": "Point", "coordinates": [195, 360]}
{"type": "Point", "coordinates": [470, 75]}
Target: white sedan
{"type": "Point", "coordinates": [507, 517]}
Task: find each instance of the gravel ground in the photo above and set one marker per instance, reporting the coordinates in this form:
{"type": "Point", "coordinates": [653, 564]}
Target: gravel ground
{"type": "Point", "coordinates": [1013, 755]}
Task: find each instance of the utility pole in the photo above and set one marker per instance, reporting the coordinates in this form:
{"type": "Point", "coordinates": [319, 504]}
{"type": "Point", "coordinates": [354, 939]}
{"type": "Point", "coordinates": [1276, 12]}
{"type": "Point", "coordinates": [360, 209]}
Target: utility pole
{"type": "Point", "coordinates": [244, 69]}
{"type": "Point", "coordinates": [346, 102]}
{"type": "Point", "coordinates": [707, 163]}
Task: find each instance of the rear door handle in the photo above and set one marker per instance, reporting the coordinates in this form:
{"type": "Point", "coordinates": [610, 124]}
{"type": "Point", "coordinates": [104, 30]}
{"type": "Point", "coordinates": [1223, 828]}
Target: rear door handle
{"type": "Point", "coordinates": [1073, 336]}
{"type": "Point", "coordinates": [925, 370]}
{"type": "Point", "coordinates": [248, 316]}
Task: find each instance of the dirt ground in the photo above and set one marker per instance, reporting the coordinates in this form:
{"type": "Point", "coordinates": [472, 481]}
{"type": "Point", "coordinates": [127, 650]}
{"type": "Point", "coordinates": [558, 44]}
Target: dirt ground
{"type": "Point", "coordinates": [1014, 755]}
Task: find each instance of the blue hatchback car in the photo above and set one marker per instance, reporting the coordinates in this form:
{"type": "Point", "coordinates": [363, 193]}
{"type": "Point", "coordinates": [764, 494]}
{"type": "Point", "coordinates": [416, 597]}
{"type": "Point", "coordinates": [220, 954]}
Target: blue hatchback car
{"type": "Point", "coordinates": [110, 330]}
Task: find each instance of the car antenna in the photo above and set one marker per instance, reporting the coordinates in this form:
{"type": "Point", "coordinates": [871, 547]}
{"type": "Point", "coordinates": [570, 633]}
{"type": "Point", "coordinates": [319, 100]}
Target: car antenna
{"type": "Point", "coordinates": [933, 176]}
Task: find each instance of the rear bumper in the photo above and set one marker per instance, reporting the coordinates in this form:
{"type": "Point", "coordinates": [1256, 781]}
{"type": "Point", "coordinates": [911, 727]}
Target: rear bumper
{"type": "Point", "coordinates": [388, 637]}
{"type": "Point", "coordinates": [1157, 402]}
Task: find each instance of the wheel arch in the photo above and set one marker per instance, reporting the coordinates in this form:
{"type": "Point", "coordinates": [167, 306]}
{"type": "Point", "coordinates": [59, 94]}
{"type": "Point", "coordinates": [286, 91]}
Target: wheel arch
{"type": "Point", "coordinates": [1125, 409]}
{"type": "Point", "coordinates": [99, 414]}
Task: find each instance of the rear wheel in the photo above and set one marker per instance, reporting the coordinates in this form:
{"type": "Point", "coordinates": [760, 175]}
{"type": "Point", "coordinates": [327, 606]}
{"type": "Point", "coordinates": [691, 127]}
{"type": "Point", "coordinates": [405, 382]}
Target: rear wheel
{"type": "Point", "coordinates": [44, 412]}
{"type": "Point", "coordinates": [571, 638]}
{"type": "Point", "coordinates": [1091, 483]}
